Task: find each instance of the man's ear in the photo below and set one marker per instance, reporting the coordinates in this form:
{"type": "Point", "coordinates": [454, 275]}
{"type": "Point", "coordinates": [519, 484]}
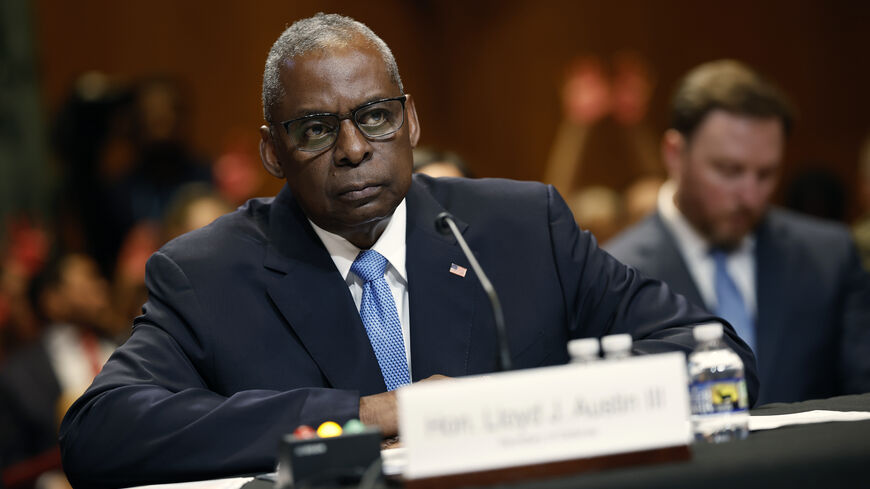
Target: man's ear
{"type": "Point", "coordinates": [413, 122]}
{"type": "Point", "coordinates": [673, 153]}
{"type": "Point", "coordinates": [267, 153]}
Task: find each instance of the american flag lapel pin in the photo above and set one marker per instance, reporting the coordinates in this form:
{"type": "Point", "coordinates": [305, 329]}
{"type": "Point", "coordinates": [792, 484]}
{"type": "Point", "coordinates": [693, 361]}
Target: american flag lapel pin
{"type": "Point", "coordinates": [457, 270]}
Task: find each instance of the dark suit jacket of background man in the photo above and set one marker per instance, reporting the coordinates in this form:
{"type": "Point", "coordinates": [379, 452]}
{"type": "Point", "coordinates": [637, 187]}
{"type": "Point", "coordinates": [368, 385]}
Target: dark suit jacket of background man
{"type": "Point", "coordinates": [29, 393]}
{"type": "Point", "coordinates": [249, 330]}
{"type": "Point", "coordinates": [813, 322]}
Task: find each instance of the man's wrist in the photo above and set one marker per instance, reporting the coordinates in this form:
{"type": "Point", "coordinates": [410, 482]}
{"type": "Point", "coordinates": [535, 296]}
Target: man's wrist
{"type": "Point", "coordinates": [380, 410]}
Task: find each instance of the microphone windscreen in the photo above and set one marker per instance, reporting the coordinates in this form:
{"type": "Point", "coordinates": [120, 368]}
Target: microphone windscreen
{"type": "Point", "coordinates": [441, 222]}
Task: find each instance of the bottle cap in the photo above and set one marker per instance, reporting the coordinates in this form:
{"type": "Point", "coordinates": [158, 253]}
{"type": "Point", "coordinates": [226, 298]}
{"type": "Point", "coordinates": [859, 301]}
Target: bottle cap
{"type": "Point", "coordinates": [583, 348]}
{"type": "Point", "coordinates": [616, 343]}
{"type": "Point", "coordinates": [707, 332]}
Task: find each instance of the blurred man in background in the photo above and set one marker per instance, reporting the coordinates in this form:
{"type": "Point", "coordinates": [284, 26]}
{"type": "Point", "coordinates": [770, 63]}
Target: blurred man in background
{"type": "Point", "coordinates": [792, 286]}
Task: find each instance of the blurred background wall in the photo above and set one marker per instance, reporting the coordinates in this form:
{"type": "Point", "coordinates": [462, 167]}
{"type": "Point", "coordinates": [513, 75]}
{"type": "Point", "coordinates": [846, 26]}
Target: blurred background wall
{"type": "Point", "coordinates": [486, 74]}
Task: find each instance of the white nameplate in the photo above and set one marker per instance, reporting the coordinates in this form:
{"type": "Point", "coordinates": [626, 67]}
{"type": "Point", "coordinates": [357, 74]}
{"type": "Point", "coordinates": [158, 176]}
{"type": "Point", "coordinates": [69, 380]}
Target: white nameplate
{"type": "Point", "coordinates": [544, 415]}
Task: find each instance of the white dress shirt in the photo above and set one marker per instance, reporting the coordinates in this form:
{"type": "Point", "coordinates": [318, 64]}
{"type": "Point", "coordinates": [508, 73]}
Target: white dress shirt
{"type": "Point", "coordinates": [70, 360]}
{"type": "Point", "coordinates": [696, 253]}
{"type": "Point", "coordinates": [391, 245]}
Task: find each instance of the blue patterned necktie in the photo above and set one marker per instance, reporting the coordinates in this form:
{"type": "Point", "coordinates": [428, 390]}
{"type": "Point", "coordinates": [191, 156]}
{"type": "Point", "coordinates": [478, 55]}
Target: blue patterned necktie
{"type": "Point", "coordinates": [378, 313]}
{"type": "Point", "coordinates": [729, 301]}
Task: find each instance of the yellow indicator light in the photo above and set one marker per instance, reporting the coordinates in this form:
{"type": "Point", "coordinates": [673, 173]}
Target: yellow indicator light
{"type": "Point", "coordinates": [328, 429]}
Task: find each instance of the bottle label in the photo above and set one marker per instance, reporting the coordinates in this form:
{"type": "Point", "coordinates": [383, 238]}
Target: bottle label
{"type": "Point", "coordinates": [719, 396]}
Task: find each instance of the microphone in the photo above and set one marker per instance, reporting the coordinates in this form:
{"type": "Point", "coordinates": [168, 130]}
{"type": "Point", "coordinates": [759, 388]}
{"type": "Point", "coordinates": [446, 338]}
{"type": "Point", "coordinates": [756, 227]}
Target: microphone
{"type": "Point", "coordinates": [445, 224]}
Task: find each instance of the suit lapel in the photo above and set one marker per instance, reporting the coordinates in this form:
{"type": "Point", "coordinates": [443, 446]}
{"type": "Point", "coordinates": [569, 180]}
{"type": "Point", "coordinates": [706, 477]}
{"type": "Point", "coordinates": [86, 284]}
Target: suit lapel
{"type": "Point", "coordinates": [667, 263]}
{"type": "Point", "coordinates": [314, 299]}
{"type": "Point", "coordinates": [771, 264]}
{"type": "Point", "coordinates": [441, 302]}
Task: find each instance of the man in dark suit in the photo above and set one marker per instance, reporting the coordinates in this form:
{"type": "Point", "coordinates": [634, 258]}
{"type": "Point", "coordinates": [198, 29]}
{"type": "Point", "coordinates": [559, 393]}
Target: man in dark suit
{"type": "Point", "coordinates": [791, 285]}
{"type": "Point", "coordinates": [262, 321]}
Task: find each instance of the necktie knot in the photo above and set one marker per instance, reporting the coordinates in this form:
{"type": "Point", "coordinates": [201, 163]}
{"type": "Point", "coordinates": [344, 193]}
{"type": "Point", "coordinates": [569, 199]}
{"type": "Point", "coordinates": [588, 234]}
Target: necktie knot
{"type": "Point", "coordinates": [720, 257]}
{"type": "Point", "coordinates": [369, 265]}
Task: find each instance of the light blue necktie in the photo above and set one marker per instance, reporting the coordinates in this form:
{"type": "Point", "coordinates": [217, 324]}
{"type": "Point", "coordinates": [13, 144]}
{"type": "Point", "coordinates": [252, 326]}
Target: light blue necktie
{"type": "Point", "coordinates": [730, 304]}
{"type": "Point", "coordinates": [378, 313]}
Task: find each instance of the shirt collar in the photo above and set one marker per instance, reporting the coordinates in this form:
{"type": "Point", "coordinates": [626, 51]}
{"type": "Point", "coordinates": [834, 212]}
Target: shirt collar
{"type": "Point", "coordinates": [687, 236]}
{"type": "Point", "coordinates": [391, 244]}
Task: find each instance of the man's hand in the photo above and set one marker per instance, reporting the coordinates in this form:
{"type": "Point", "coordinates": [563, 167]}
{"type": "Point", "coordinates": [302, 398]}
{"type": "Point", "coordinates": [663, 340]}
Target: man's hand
{"type": "Point", "coordinates": [382, 410]}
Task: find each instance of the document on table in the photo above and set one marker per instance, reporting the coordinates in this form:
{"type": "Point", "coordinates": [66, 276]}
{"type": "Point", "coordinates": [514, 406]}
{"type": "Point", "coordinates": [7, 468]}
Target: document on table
{"type": "Point", "coordinates": [232, 483]}
{"type": "Point", "coordinates": [394, 460]}
{"type": "Point", "coordinates": [757, 423]}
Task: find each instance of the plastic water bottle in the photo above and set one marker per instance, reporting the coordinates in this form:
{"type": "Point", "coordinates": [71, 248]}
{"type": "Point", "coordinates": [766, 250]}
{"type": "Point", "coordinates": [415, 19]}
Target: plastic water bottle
{"type": "Point", "coordinates": [583, 350]}
{"type": "Point", "coordinates": [616, 346]}
{"type": "Point", "coordinates": [720, 404]}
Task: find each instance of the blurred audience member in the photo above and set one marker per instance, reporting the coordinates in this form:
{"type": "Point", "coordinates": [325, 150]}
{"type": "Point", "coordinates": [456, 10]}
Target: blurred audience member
{"type": "Point", "coordinates": [438, 163]}
{"type": "Point", "coordinates": [611, 106]}
{"type": "Point", "coordinates": [38, 383]}
{"type": "Point", "coordinates": [862, 227]}
{"type": "Point", "coordinates": [236, 173]}
{"type": "Point", "coordinates": [128, 288]}
{"type": "Point", "coordinates": [125, 153]}
{"type": "Point", "coordinates": [817, 192]}
{"type": "Point", "coordinates": [21, 257]}
{"type": "Point", "coordinates": [164, 162]}
{"type": "Point", "coordinates": [92, 138]}
{"type": "Point", "coordinates": [791, 285]}
{"type": "Point", "coordinates": [597, 209]}
{"type": "Point", "coordinates": [193, 206]}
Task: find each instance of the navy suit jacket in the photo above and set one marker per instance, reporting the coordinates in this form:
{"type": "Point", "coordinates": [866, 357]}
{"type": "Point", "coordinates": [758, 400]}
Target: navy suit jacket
{"type": "Point", "coordinates": [813, 299]}
{"type": "Point", "coordinates": [249, 329]}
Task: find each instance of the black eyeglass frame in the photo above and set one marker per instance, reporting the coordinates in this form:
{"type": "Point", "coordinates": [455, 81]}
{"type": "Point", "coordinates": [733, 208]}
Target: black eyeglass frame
{"type": "Point", "coordinates": [352, 116]}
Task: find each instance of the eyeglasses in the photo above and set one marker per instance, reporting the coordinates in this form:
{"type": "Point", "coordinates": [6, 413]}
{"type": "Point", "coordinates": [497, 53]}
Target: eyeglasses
{"type": "Point", "coordinates": [375, 120]}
